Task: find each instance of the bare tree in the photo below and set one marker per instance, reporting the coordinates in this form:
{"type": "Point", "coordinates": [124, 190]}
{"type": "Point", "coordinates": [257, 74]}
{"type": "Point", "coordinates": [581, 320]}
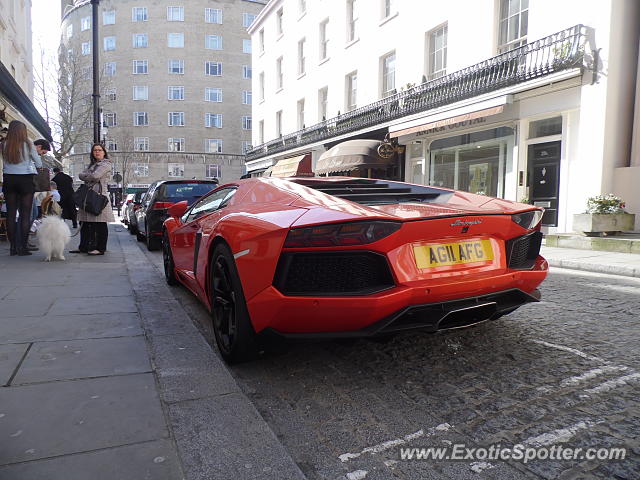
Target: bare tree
{"type": "Point", "coordinates": [126, 156]}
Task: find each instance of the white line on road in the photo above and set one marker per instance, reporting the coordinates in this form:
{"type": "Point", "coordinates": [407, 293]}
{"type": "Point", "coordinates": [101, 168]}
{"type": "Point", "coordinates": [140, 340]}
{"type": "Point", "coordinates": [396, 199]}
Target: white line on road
{"type": "Point", "coordinates": [570, 350]}
{"type": "Point", "coordinates": [611, 384]}
{"type": "Point", "coordinates": [567, 382]}
{"type": "Point", "coordinates": [559, 435]}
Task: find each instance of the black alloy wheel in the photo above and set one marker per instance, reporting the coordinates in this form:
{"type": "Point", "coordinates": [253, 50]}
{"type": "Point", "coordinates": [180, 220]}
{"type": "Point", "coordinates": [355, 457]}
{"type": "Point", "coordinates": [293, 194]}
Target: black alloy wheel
{"type": "Point", "coordinates": [167, 258]}
{"type": "Point", "coordinates": [232, 327]}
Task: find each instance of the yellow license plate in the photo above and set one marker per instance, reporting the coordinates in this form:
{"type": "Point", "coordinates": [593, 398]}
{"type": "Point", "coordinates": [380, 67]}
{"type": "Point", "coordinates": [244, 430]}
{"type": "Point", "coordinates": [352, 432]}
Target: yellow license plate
{"type": "Point", "coordinates": [443, 254]}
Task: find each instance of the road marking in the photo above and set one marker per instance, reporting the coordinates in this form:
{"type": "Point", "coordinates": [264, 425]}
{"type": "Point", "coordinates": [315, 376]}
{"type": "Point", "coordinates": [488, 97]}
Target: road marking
{"type": "Point", "coordinates": [357, 475]}
{"type": "Point", "coordinates": [559, 435]}
{"type": "Point", "coordinates": [570, 350]}
{"type": "Point", "coordinates": [611, 384]}
{"type": "Point", "coordinates": [478, 467]}
{"type": "Point", "coordinates": [591, 374]}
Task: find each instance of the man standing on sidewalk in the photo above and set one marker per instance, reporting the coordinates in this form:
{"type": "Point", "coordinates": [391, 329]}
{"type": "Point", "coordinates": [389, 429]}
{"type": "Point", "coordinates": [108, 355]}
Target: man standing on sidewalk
{"type": "Point", "coordinates": [65, 187]}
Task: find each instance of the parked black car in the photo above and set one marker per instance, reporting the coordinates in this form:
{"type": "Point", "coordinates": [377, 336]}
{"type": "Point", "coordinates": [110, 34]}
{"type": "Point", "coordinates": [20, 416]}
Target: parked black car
{"type": "Point", "coordinates": [158, 198]}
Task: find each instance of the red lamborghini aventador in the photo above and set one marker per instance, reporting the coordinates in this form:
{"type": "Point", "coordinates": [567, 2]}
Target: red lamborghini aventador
{"type": "Point", "coordinates": [350, 257]}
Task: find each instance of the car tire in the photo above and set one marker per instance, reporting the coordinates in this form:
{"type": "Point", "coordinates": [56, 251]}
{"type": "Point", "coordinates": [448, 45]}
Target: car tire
{"type": "Point", "coordinates": [133, 230]}
{"type": "Point", "coordinates": [167, 258]}
{"type": "Point", "coordinates": [139, 236]}
{"type": "Point", "coordinates": [152, 242]}
{"type": "Point", "coordinates": [232, 327]}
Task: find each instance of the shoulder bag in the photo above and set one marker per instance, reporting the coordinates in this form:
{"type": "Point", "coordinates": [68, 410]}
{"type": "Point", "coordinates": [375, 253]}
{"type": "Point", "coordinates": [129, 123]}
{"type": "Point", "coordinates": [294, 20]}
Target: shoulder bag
{"type": "Point", "coordinates": [89, 200]}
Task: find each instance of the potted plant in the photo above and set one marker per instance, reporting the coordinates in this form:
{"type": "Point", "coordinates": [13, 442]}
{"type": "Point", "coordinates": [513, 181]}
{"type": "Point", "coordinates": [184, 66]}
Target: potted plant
{"type": "Point", "coordinates": [605, 215]}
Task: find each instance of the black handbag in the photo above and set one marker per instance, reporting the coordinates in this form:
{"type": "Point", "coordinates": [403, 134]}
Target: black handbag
{"type": "Point", "coordinates": [89, 200]}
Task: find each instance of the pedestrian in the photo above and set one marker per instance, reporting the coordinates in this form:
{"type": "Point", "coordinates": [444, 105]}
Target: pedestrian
{"type": "Point", "coordinates": [20, 160]}
{"type": "Point", "coordinates": [65, 187]}
{"type": "Point", "coordinates": [94, 231]}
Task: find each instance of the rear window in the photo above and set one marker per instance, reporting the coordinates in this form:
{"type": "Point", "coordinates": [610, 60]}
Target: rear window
{"type": "Point", "coordinates": [185, 191]}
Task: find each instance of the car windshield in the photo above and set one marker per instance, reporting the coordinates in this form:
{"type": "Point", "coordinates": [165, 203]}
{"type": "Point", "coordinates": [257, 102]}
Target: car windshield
{"type": "Point", "coordinates": [190, 192]}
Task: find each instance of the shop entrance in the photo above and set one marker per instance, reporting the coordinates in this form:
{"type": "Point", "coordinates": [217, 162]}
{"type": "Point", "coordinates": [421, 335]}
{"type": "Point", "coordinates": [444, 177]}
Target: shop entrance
{"type": "Point", "coordinates": [543, 162]}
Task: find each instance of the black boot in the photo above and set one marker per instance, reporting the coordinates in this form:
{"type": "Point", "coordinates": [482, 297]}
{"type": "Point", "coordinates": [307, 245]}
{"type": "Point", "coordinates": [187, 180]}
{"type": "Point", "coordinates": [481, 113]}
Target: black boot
{"type": "Point", "coordinates": [13, 250]}
{"type": "Point", "coordinates": [23, 251]}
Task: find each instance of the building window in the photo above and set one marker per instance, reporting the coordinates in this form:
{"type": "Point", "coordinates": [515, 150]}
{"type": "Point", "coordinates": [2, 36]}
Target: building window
{"type": "Point", "coordinates": [175, 40]}
{"type": "Point", "coordinates": [176, 169]}
{"type": "Point", "coordinates": [86, 48]}
{"type": "Point", "coordinates": [176, 67]}
{"type": "Point", "coordinates": [213, 15]}
{"type": "Point", "coordinates": [140, 119]}
{"type": "Point", "coordinates": [175, 93]}
{"type": "Point", "coordinates": [175, 14]}
{"type": "Point", "coordinates": [246, 97]}
{"type": "Point", "coordinates": [109, 43]}
{"type": "Point", "coordinates": [142, 169]}
{"type": "Point", "coordinates": [140, 40]}
{"type": "Point", "coordinates": [246, 71]}
{"type": "Point", "coordinates": [388, 64]}
{"type": "Point", "coordinates": [279, 23]}
{"type": "Point", "coordinates": [247, 19]}
{"type": "Point", "coordinates": [85, 23]}
{"type": "Point", "coordinates": [111, 145]}
{"type": "Point", "coordinates": [437, 62]}
{"type": "Point", "coordinates": [279, 123]}
{"type": "Point", "coordinates": [213, 42]}
{"type": "Point", "coordinates": [213, 68]}
{"type": "Point", "coordinates": [513, 24]}
{"type": "Point", "coordinates": [141, 144]}
{"type": "Point", "coordinates": [176, 145]}
{"type": "Point", "coordinates": [109, 18]}
{"type": "Point", "coordinates": [213, 94]}
{"type": "Point", "coordinates": [213, 171]}
{"type": "Point", "coordinates": [352, 91]}
{"type": "Point", "coordinates": [139, 14]}
{"type": "Point", "coordinates": [261, 132]}
{"type": "Point", "coordinates": [301, 58]}
{"type": "Point", "coordinates": [261, 86]}
{"type": "Point", "coordinates": [69, 31]}
{"type": "Point", "coordinates": [246, 146]}
{"type": "Point", "coordinates": [352, 20]}
{"type": "Point", "coordinates": [109, 70]}
{"type": "Point", "coordinates": [176, 119]}
{"type": "Point", "coordinates": [140, 67]}
{"type": "Point", "coordinates": [545, 127]}
{"type": "Point", "coordinates": [388, 8]}
{"type": "Point", "coordinates": [246, 46]}
{"type": "Point", "coordinates": [261, 40]}
{"type": "Point", "coordinates": [300, 112]}
{"type": "Point", "coordinates": [213, 145]}
{"type": "Point", "coordinates": [324, 39]}
{"type": "Point", "coordinates": [140, 92]}
{"type": "Point", "coordinates": [213, 120]}
{"type": "Point", "coordinates": [110, 94]}
{"type": "Point", "coordinates": [279, 74]}
{"type": "Point", "coordinates": [246, 122]}
{"type": "Point", "coordinates": [323, 99]}
{"type": "Point", "coordinates": [109, 119]}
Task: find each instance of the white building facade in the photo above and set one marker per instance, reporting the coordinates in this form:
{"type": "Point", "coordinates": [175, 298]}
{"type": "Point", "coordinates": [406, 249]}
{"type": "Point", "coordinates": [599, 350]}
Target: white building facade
{"type": "Point", "coordinates": [528, 100]}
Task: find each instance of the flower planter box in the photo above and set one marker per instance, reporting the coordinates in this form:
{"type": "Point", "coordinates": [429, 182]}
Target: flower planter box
{"type": "Point", "coordinates": [601, 224]}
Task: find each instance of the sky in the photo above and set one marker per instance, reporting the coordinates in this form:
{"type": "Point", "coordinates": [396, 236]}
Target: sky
{"type": "Point", "coordinates": [45, 25]}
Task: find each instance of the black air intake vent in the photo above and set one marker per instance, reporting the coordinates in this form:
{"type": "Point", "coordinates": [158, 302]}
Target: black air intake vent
{"type": "Point", "coordinates": [523, 251]}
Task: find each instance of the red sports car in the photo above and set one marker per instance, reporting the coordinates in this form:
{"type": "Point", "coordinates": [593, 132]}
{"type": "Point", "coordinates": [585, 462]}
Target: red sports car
{"type": "Point", "coordinates": [350, 257]}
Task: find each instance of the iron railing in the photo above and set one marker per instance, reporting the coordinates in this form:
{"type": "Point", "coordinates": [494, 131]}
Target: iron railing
{"type": "Point", "coordinates": [561, 51]}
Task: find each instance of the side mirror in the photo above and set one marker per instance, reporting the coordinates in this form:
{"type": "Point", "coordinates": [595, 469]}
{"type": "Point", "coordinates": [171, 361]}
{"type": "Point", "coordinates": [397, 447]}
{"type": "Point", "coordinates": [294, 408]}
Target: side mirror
{"type": "Point", "coordinates": [177, 209]}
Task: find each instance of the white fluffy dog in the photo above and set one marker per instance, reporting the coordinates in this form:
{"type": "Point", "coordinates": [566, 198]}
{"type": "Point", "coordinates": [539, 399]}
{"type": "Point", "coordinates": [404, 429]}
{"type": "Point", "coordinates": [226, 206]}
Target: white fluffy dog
{"type": "Point", "coordinates": [53, 237]}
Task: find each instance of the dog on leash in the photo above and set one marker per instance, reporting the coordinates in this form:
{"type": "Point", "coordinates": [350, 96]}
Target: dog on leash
{"type": "Point", "coordinates": [53, 233]}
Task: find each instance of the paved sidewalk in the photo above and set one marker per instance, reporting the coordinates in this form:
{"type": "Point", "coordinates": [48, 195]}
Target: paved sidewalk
{"type": "Point", "coordinates": [103, 376]}
{"type": "Point", "coordinates": [627, 264]}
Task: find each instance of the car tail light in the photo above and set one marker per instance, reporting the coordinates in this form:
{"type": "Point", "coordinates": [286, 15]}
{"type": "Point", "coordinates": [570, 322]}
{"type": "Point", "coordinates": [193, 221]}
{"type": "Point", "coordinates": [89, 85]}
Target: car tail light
{"type": "Point", "coordinates": [528, 220]}
{"type": "Point", "coordinates": [340, 234]}
{"type": "Point", "coordinates": [162, 205]}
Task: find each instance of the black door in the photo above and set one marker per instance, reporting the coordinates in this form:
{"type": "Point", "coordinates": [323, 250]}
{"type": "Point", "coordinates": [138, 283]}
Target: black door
{"type": "Point", "coordinates": [544, 179]}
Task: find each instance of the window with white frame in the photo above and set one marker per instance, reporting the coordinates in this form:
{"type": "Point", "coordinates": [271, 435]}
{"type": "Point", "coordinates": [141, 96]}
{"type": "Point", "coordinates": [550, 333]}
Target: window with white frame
{"type": "Point", "coordinates": [213, 145]}
{"type": "Point", "coordinates": [140, 67]}
{"type": "Point", "coordinates": [175, 92]}
{"type": "Point", "coordinates": [109, 70]}
{"type": "Point", "coordinates": [246, 97]}
{"type": "Point", "coordinates": [388, 8]}
{"type": "Point", "coordinates": [140, 40]}
{"type": "Point", "coordinates": [140, 119]}
{"type": "Point", "coordinates": [176, 169]}
{"type": "Point", "coordinates": [246, 46]}
{"type": "Point", "coordinates": [213, 68]}
{"type": "Point", "coordinates": [301, 57]}
{"type": "Point", "coordinates": [437, 61]}
{"type": "Point", "coordinates": [111, 145]}
{"type": "Point", "coordinates": [247, 19]}
{"type": "Point", "coordinates": [176, 145]}
{"type": "Point", "coordinates": [213, 42]}
{"type": "Point", "coordinates": [109, 43]}
{"type": "Point", "coordinates": [352, 91]}
{"type": "Point", "coordinates": [69, 31]}
{"type": "Point", "coordinates": [246, 146]}
{"type": "Point", "coordinates": [323, 99]}
{"type": "Point", "coordinates": [141, 144]}
{"type": "Point", "coordinates": [279, 21]}
{"type": "Point", "coordinates": [279, 74]}
{"type": "Point", "coordinates": [213, 95]}
{"type": "Point", "coordinates": [140, 92]}
{"type": "Point", "coordinates": [86, 48]}
{"type": "Point", "coordinates": [110, 94]}
{"type": "Point", "coordinates": [85, 23]}
{"type": "Point", "coordinates": [388, 67]}
{"type": "Point", "coordinates": [261, 132]}
{"type": "Point", "coordinates": [352, 20]}
{"type": "Point", "coordinates": [213, 120]}
{"type": "Point", "coordinates": [213, 15]}
{"type": "Point", "coordinates": [246, 122]}
{"type": "Point", "coordinates": [300, 113]}
{"type": "Point", "coordinates": [212, 171]}
{"type": "Point", "coordinates": [176, 119]}
{"type": "Point", "coordinates": [139, 14]}
{"type": "Point", "coordinates": [109, 18]}
{"type": "Point", "coordinates": [513, 24]}
{"type": "Point", "coordinates": [324, 39]}
{"type": "Point", "coordinates": [175, 40]}
{"type": "Point", "coordinates": [175, 14]}
{"type": "Point", "coordinates": [279, 123]}
{"type": "Point", "coordinates": [109, 119]}
{"type": "Point", "coordinates": [141, 169]}
{"type": "Point", "coordinates": [176, 67]}
{"type": "Point", "coordinates": [261, 85]}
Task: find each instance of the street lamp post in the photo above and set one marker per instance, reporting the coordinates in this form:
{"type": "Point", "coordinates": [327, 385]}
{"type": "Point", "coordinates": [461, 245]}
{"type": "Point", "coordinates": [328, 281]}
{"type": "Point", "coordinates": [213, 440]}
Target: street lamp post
{"type": "Point", "coordinates": [96, 72]}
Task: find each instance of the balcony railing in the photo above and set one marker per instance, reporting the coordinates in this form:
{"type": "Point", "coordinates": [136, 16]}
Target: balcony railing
{"type": "Point", "coordinates": [563, 50]}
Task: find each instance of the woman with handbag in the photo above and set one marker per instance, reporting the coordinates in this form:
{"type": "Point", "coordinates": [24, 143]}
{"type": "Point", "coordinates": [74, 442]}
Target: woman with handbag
{"type": "Point", "coordinates": [94, 207]}
{"type": "Point", "coordinates": [20, 161]}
